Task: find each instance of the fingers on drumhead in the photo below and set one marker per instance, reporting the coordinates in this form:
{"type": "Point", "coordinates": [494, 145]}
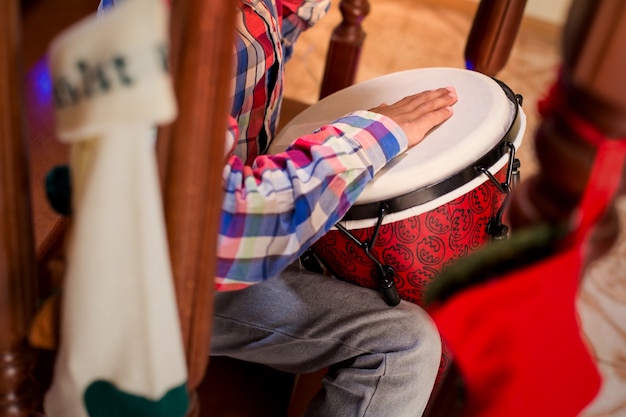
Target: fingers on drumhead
{"type": "Point", "coordinates": [432, 95]}
{"type": "Point", "coordinates": [438, 116]}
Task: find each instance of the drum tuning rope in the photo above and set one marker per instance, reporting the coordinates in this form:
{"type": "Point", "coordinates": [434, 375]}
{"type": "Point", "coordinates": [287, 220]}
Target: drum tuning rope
{"type": "Point", "coordinates": [385, 272]}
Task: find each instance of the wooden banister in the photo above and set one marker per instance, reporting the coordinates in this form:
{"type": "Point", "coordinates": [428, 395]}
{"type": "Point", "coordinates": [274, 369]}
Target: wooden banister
{"type": "Point", "coordinates": [191, 159]}
{"type": "Point", "coordinates": [345, 47]}
{"type": "Point", "coordinates": [18, 394]}
{"type": "Point", "coordinates": [492, 35]}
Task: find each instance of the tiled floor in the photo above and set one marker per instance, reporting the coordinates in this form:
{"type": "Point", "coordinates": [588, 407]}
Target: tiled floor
{"type": "Point", "coordinates": [406, 34]}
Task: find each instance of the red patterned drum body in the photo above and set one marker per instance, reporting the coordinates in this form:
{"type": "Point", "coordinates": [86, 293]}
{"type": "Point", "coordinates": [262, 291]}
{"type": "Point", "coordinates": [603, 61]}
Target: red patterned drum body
{"type": "Point", "coordinates": [417, 247]}
{"type": "Point", "coordinates": [435, 203]}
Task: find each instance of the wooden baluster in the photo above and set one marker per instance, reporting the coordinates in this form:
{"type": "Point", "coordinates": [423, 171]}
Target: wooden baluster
{"type": "Point", "coordinates": [493, 33]}
{"type": "Point", "coordinates": [592, 76]}
{"type": "Point", "coordinates": [191, 159]}
{"type": "Point", "coordinates": [345, 46]}
{"type": "Point", "coordinates": [17, 257]}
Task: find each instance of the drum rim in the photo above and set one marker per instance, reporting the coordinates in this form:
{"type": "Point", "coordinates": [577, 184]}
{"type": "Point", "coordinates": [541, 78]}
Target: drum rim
{"type": "Point", "coordinates": [431, 192]}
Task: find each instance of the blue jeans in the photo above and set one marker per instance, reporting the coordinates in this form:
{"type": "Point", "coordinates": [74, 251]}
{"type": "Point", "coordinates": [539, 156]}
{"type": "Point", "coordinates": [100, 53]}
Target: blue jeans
{"type": "Point", "coordinates": [383, 360]}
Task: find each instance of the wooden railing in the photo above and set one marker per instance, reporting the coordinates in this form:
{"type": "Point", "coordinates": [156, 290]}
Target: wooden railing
{"type": "Point", "coordinates": [18, 285]}
{"type": "Point", "coordinates": [191, 157]}
{"type": "Point", "coordinates": [344, 51]}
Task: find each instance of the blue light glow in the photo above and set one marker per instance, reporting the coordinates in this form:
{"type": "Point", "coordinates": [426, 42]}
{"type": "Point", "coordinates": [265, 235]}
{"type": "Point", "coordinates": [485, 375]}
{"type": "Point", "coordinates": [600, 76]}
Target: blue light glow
{"type": "Point", "coordinates": [42, 81]}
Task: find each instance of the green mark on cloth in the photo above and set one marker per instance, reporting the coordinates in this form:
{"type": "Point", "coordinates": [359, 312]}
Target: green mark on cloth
{"type": "Point", "coordinates": [103, 399]}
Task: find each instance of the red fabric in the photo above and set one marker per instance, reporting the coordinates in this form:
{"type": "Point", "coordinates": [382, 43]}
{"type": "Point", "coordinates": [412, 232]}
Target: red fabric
{"type": "Point", "coordinates": [517, 343]}
{"type": "Point", "coordinates": [289, 6]}
{"type": "Point", "coordinates": [516, 339]}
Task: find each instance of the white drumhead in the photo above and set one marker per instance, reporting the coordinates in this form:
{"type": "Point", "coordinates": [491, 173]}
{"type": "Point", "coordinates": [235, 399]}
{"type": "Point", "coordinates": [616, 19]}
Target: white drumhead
{"type": "Point", "coordinates": [481, 118]}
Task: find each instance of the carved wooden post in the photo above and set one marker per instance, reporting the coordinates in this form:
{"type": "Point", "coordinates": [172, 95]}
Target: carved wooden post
{"type": "Point", "coordinates": [594, 64]}
{"type": "Point", "coordinates": [345, 47]}
{"type": "Point", "coordinates": [191, 156]}
{"type": "Point", "coordinates": [493, 33]}
{"type": "Point", "coordinates": [17, 259]}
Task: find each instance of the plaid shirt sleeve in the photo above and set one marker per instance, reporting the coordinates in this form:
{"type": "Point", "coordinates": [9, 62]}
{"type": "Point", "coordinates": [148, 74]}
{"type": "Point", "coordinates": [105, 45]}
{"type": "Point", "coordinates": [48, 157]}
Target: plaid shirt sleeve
{"type": "Point", "coordinates": [276, 208]}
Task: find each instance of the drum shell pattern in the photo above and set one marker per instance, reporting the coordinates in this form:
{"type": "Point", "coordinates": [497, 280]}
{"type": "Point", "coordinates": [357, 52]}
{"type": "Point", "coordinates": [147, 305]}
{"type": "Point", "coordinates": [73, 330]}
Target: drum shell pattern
{"type": "Point", "coordinates": [418, 248]}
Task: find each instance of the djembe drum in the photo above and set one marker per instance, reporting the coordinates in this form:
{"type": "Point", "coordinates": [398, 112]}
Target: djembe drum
{"type": "Point", "coordinates": [439, 201]}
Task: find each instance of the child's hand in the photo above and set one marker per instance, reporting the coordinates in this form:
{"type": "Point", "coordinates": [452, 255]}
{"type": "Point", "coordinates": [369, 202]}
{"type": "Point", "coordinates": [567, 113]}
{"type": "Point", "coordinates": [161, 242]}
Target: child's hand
{"type": "Point", "coordinates": [419, 113]}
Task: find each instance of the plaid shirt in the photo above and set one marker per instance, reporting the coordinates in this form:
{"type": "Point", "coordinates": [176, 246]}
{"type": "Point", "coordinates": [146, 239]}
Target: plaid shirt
{"type": "Point", "coordinates": [266, 32]}
{"type": "Point", "coordinates": [275, 206]}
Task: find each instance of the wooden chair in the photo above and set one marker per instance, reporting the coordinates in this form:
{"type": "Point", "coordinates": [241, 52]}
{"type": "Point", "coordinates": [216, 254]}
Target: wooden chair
{"type": "Point", "coordinates": [592, 66]}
